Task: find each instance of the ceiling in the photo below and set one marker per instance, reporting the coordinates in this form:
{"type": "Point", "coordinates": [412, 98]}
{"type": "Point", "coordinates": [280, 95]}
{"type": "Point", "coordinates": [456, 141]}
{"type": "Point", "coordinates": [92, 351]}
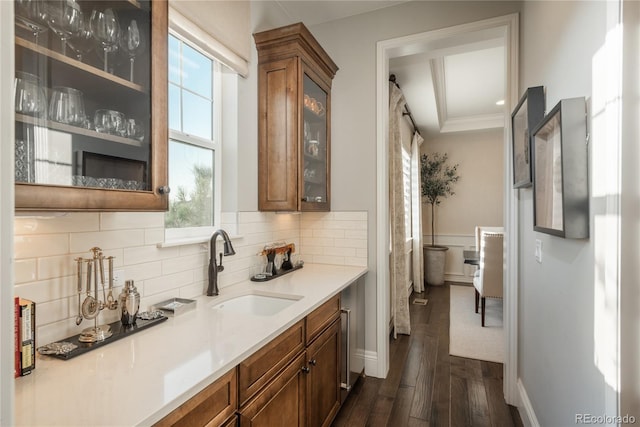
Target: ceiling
{"type": "Point", "coordinates": [449, 84]}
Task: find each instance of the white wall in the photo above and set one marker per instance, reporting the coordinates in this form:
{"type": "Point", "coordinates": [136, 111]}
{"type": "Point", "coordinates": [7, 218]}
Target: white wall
{"type": "Point", "coordinates": [567, 304]}
{"type": "Point", "coordinates": [478, 198]}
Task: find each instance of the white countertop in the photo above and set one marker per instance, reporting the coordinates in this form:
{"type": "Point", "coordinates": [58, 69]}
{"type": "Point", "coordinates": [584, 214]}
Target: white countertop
{"type": "Point", "coordinates": [139, 379]}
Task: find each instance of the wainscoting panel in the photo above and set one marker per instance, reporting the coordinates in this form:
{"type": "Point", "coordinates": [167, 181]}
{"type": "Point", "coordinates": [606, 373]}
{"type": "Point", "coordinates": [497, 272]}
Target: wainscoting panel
{"type": "Point", "coordinates": [455, 268]}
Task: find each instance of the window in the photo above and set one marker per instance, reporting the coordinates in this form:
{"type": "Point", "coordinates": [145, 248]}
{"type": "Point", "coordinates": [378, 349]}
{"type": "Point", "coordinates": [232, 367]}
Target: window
{"type": "Point", "coordinates": [194, 137]}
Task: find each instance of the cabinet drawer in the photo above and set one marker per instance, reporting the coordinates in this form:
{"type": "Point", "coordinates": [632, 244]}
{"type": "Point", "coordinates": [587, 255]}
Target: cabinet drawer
{"type": "Point", "coordinates": [259, 368]}
{"type": "Point", "coordinates": [211, 407]}
{"type": "Point", "coordinates": [322, 317]}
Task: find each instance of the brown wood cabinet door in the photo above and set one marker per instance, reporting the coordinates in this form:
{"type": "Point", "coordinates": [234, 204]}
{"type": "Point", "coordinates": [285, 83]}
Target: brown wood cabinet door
{"type": "Point", "coordinates": [278, 140]}
{"type": "Point", "coordinates": [323, 384]}
{"type": "Point", "coordinates": [282, 402]}
{"type": "Point", "coordinates": [64, 163]}
{"type": "Point", "coordinates": [211, 407]}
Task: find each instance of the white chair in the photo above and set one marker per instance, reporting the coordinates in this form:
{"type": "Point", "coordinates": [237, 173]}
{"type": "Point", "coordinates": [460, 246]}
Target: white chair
{"type": "Point", "coordinates": [481, 228]}
{"type": "Point", "coordinates": [488, 279]}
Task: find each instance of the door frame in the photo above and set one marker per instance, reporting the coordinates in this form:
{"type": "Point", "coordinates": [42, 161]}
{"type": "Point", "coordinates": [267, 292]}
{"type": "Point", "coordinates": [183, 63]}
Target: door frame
{"type": "Point", "coordinates": [387, 49]}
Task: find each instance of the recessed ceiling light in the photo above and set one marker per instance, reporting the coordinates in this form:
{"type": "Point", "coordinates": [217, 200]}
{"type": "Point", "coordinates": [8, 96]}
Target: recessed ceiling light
{"type": "Point", "coordinates": [501, 102]}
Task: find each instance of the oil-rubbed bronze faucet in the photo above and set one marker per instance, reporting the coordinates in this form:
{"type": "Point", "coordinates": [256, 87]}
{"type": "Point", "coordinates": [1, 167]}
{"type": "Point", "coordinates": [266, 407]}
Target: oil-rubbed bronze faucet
{"type": "Point", "coordinates": [214, 268]}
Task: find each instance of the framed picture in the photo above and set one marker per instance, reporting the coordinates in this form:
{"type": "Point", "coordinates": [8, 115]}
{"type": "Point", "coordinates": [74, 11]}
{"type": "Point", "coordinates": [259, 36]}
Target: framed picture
{"type": "Point", "coordinates": [526, 116]}
{"type": "Point", "coordinates": [560, 176]}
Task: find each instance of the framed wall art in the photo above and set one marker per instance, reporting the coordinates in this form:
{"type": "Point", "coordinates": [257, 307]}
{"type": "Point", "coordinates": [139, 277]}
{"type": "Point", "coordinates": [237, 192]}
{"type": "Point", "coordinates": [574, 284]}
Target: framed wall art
{"type": "Point", "coordinates": [525, 117]}
{"type": "Point", "coordinates": [560, 171]}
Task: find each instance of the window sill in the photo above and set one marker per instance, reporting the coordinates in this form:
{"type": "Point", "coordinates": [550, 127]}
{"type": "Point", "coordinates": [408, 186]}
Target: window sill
{"type": "Point", "coordinates": [191, 241]}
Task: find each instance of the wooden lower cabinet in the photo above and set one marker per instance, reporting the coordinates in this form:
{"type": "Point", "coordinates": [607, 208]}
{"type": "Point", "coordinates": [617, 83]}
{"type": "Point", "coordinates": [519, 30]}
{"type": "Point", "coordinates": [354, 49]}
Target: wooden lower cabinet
{"type": "Point", "coordinates": [213, 406]}
{"type": "Point", "coordinates": [282, 402]}
{"type": "Point", "coordinates": [323, 382]}
{"type": "Point", "coordinates": [285, 383]}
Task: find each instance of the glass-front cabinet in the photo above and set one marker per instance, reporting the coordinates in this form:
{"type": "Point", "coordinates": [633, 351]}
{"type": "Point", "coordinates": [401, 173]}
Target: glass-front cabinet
{"type": "Point", "coordinates": [294, 126]}
{"type": "Point", "coordinates": [90, 105]}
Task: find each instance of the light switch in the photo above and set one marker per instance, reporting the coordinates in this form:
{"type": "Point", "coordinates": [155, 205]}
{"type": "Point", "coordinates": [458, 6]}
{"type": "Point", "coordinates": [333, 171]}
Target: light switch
{"type": "Point", "coordinates": [539, 251]}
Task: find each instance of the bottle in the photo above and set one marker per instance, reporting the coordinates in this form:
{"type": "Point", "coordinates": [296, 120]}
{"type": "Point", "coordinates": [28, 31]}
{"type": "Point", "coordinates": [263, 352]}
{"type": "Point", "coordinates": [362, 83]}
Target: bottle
{"type": "Point", "coordinates": [129, 301]}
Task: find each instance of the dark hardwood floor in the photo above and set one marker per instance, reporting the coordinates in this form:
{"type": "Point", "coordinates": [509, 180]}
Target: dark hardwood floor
{"type": "Point", "coordinates": [427, 387]}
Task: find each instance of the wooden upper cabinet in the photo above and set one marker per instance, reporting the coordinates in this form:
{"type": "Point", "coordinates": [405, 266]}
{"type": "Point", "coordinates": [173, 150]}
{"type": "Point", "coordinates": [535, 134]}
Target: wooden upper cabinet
{"type": "Point", "coordinates": [294, 121]}
{"type": "Point", "coordinates": [91, 128]}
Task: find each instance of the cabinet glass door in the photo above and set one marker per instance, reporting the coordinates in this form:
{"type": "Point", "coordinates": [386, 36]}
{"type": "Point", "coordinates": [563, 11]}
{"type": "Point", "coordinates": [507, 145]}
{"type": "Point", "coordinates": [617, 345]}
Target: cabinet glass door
{"type": "Point", "coordinates": [315, 153]}
{"type": "Point", "coordinates": [83, 94]}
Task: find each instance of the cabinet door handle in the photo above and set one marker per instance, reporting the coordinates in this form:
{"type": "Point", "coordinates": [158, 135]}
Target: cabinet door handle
{"type": "Point", "coordinates": [164, 189]}
{"type": "Point", "coordinates": [305, 369]}
{"type": "Point", "coordinates": [312, 362]}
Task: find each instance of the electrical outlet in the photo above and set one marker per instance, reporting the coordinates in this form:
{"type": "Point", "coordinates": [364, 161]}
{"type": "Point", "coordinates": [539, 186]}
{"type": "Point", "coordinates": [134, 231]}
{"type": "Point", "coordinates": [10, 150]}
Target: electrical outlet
{"type": "Point", "coordinates": [539, 251]}
{"type": "Point", "coordinates": [118, 278]}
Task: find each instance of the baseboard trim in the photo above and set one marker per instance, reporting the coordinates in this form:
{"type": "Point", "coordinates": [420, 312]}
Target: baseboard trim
{"type": "Point", "coordinates": [525, 408]}
{"type": "Point", "coordinates": [371, 364]}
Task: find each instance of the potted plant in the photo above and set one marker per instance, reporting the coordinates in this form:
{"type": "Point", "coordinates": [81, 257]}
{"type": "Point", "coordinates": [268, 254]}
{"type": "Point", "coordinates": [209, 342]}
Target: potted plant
{"type": "Point", "coordinates": [437, 179]}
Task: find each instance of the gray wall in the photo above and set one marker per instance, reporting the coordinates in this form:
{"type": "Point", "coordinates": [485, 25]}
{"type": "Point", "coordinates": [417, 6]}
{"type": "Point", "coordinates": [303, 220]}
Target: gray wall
{"type": "Point", "coordinates": [565, 338]}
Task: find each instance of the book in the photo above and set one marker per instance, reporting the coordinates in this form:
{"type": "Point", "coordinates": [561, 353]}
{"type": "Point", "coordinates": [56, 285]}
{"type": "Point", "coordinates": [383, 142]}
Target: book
{"type": "Point", "coordinates": [16, 337]}
{"type": "Point", "coordinates": [27, 336]}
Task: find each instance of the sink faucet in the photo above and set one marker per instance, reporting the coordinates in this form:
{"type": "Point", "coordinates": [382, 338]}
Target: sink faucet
{"type": "Point", "coordinates": [212, 289]}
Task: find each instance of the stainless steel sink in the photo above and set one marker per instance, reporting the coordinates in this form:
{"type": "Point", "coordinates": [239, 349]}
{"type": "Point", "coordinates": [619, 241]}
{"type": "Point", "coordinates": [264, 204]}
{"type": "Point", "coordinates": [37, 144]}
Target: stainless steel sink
{"type": "Point", "coordinates": [257, 304]}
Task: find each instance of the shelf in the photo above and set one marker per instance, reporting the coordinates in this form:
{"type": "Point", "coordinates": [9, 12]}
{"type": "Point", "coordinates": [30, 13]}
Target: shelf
{"type": "Point", "coordinates": [79, 65]}
{"type": "Point", "coordinates": [77, 130]}
{"type": "Point", "coordinates": [312, 114]}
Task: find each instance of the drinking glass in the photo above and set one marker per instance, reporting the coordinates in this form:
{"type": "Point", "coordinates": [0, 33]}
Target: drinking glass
{"type": "Point", "coordinates": [134, 129]}
{"type": "Point", "coordinates": [64, 18]}
{"type": "Point", "coordinates": [67, 106]}
{"type": "Point", "coordinates": [106, 30]}
{"type": "Point", "coordinates": [29, 94]}
{"type": "Point", "coordinates": [82, 42]}
{"type": "Point", "coordinates": [110, 121]}
{"type": "Point", "coordinates": [30, 15]}
{"type": "Point", "coordinates": [132, 43]}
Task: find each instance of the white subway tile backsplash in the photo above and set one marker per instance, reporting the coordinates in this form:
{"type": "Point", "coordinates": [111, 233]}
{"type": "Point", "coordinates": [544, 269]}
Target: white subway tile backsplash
{"type": "Point", "coordinates": [148, 253]}
{"type": "Point", "coordinates": [57, 266]}
{"type": "Point", "coordinates": [168, 282]}
{"type": "Point", "coordinates": [25, 270]}
{"type": "Point", "coordinates": [153, 236]}
{"type": "Point", "coordinates": [131, 220]}
{"type": "Point", "coordinates": [106, 239]}
{"type": "Point", "coordinates": [70, 222]}
{"type": "Point", "coordinates": [40, 245]}
{"type": "Point", "coordinates": [45, 250]}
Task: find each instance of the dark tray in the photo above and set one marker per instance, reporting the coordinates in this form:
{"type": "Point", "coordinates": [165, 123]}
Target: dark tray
{"type": "Point", "coordinates": [275, 276]}
{"type": "Point", "coordinates": [119, 331]}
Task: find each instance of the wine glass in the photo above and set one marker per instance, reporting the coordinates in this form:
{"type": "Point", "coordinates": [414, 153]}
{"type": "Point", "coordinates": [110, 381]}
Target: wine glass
{"type": "Point", "coordinates": [82, 42]}
{"type": "Point", "coordinates": [31, 16]}
{"type": "Point", "coordinates": [106, 30]}
{"type": "Point", "coordinates": [132, 43]}
{"type": "Point", "coordinates": [64, 18]}
{"type": "Point", "coordinates": [67, 106]}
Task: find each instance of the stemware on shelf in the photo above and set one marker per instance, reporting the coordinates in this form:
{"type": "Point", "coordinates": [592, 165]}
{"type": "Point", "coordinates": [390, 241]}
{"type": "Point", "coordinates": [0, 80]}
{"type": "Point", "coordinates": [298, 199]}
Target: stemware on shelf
{"type": "Point", "coordinates": [132, 43]}
{"type": "Point", "coordinates": [64, 18]}
{"type": "Point", "coordinates": [30, 97]}
{"type": "Point", "coordinates": [30, 15]}
{"type": "Point", "coordinates": [67, 106]}
{"type": "Point", "coordinates": [111, 122]}
{"type": "Point", "coordinates": [106, 30]}
{"type": "Point", "coordinates": [82, 42]}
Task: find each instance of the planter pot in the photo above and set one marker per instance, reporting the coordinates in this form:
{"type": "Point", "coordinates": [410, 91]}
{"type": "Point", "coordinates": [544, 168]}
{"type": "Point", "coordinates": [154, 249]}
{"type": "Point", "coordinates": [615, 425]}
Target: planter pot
{"type": "Point", "coordinates": [434, 259]}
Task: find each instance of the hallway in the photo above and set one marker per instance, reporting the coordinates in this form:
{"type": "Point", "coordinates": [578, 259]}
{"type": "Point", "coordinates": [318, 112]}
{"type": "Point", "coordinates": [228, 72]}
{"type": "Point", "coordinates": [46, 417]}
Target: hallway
{"type": "Point", "coordinates": [427, 387]}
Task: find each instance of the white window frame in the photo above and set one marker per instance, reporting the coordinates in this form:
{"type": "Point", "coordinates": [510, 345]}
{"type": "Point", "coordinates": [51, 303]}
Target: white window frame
{"type": "Point", "coordinates": [202, 233]}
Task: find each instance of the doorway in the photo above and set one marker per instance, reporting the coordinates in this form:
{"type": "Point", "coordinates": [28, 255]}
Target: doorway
{"type": "Point", "coordinates": [505, 27]}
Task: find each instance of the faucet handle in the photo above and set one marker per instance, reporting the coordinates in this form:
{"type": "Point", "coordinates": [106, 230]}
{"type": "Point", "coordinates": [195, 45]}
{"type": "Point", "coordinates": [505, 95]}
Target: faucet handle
{"type": "Point", "coordinates": [220, 266]}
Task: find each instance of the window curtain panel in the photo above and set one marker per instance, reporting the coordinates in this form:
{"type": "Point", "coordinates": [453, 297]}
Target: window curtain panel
{"type": "Point", "coordinates": [398, 265]}
{"type": "Point", "coordinates": [416, 214]}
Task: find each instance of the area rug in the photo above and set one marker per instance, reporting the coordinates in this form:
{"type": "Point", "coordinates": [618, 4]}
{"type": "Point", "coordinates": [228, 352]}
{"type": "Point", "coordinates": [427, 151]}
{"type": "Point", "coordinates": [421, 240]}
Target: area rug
{"type": "Point", "coordinates": [467, 337]}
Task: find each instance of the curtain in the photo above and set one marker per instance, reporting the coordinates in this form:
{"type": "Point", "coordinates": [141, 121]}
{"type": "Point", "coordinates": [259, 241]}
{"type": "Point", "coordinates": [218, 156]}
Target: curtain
{"type": "Point", "coordinates": [397, 262]}
{"type": "Point", "coordinates": [416, 214]}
